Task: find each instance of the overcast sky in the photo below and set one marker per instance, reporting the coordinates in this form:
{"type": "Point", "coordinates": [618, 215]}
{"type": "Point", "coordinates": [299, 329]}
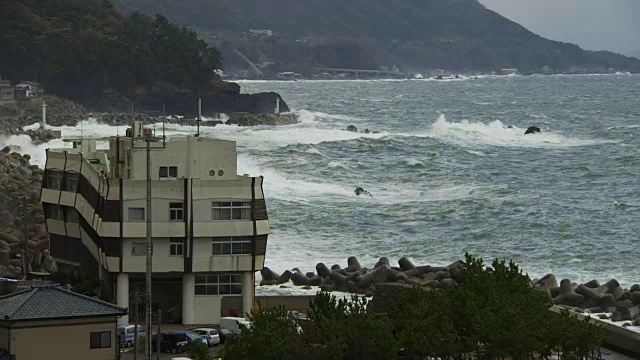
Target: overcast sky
{"type": "Point", "coordinates": [593, 24]}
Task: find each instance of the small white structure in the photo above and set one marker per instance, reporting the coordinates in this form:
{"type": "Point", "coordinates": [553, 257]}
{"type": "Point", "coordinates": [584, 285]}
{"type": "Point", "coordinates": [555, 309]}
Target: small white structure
{"type": "Point", "coordinates": [43, 122]}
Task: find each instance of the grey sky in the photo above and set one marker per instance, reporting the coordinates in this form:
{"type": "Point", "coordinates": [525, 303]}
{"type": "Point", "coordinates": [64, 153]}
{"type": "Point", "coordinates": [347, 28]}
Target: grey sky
{"type": "Point", "coordinates": [593, 24]}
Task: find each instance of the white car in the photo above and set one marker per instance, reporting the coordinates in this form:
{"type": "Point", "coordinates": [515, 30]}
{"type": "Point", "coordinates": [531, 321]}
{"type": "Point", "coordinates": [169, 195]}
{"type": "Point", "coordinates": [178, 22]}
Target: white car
{"type": "Point", "coordinates": [212, 336]}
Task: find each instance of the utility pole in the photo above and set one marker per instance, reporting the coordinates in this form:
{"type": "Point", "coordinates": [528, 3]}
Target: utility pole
{"type": "Point", "coordinates": [135, 330]}
{"type": "Point", "coordinates": [149, 255]}
{"type": "Point", "coordinates": [158, 336]}
{"type": "Point", "coordinates": [199, 114]}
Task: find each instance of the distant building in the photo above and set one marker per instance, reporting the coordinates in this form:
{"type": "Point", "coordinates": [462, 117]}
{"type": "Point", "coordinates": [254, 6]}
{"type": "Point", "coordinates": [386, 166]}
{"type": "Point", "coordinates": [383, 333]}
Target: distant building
{"type": "Point", "coordinates": [32, 88]}
{"type": "Point", "coordinates": [6, 90]}
{"type": "Point", "coordinates": [55, 323]}
{"type": "Point", "coordinates": [255, 32]}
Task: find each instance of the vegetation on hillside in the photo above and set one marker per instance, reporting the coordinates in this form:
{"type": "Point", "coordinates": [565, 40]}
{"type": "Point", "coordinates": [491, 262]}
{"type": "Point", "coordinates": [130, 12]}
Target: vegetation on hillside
{"type": "Point", "coordinates": [427, 34]}
{"type": "Point", "coordinates": [493, 314]}
{"type": "Point", "coordinates": [87, 51]}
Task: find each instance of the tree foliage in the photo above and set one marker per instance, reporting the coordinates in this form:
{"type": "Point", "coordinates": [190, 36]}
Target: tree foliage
{"type": "Point", "coordinates": [84, 49]}
{"type": "Point", "coordinates": [493, 314]}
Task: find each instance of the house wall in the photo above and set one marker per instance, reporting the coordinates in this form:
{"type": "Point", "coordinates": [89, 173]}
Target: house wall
{"type": "Point", "coordinates": [61, 339]}
{"type": "Point", "coordinates": [207, 158]}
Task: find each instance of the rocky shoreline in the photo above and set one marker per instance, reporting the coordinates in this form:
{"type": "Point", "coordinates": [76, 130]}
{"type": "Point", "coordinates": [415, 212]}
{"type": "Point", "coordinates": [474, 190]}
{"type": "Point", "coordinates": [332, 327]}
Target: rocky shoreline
{"type": "Point", "coordinates": [21, 217]}
{"type": "Point", "coordinates": [608, 301]}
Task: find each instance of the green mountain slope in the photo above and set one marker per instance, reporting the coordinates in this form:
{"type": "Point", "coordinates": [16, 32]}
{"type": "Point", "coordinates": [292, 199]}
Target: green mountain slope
{"type": "Point", "coordinates": [87, 51]}
{"type": "Point", "coordinates": [412, 34]}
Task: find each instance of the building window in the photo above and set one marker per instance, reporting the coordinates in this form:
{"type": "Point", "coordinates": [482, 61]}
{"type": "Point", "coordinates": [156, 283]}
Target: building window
{"type": "Point", "coordinates": [54, 212]}
{"type": "Point", "coordinates": [176, 246]}
{"type": "Point", "coordinates": [140, 248]}
{"type": "Point", "coordinates": [54, 179]}
{"type": "Point", "coordinates": [224, 284]}
{"type": "Point", "coordinates": [232, 245]}
{"type": "Point", "coordinates": [136, 214]}
{"type": "Point", "coordinates": [168, 173]}
{"type": "Point", "coordinates": [100, 340]}
{"type": "Point", "coordinates": [71, 215]}
{"type": "Point", "coordinates": [235, 210]}
{"type": "Point", "coordinates": [71, 181]}
{"type": "Point", "coordinates": [176, 211]}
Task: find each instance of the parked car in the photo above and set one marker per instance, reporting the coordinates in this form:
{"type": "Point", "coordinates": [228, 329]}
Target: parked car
{"type": "Point", "coordinates": [191, 337]}
{"type": "Point", "coordinates": [212, 336]}
{"type": "Point", "coordinates": [225, 334]}
{"type": "Point", "coordinates": [173, 342]}
{"type": "Point", "coordinates": [127, 334]}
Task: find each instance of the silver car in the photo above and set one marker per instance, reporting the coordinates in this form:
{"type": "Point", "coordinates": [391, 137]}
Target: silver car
{"type": "Point", "coordinates": [211, 335]}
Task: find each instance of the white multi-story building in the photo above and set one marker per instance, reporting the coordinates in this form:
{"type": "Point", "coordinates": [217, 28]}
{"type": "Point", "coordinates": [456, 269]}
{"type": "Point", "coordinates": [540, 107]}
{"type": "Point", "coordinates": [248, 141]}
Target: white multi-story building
{"type": "Point", "coordinates": [209, 225]}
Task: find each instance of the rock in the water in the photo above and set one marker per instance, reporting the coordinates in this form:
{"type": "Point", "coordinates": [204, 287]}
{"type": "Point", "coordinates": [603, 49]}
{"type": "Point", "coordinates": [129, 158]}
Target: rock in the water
{"type": "Point", "coordinates": [533, 130]}
{"type": "Point", "coordinates": [352, 128]}
{"type": "Point", "coordinates": [360, 191]}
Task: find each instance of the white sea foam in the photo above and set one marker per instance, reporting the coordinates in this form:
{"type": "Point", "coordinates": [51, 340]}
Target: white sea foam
{"type": "Point", "coordinates": [23, 144]}
{"type": "Point", "coordinates": [496, 133]}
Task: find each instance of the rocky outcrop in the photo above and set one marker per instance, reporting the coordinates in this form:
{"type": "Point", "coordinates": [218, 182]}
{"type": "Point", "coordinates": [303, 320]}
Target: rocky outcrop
{"type": "Point", "coordinates": [247, 119]}
{"type": "Point", "coordinates": [360, 191]}
{"type": "Point", "coordinates": [38, 136]}
{"type": "Point", "coordinates": [533, 130]}
{"type": "Point", "coordinates": [219, 97]}
{"type": "Point", "coordinates": [21, 217]}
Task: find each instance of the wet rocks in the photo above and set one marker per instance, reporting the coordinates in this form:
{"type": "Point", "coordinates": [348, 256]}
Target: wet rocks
{"type": "Point", "coordinates": [22, 217]}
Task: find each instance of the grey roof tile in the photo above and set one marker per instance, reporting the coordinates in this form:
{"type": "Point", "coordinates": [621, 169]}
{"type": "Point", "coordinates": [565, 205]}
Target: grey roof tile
{"type": "Point", "coordinates": [51, 302]}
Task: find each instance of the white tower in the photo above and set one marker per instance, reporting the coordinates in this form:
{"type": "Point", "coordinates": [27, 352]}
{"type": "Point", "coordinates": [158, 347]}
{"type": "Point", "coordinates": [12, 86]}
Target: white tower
{"type": "Point", "coordinates": [43, 122]}
{"type": "Point", "coordinates": [278, 105]}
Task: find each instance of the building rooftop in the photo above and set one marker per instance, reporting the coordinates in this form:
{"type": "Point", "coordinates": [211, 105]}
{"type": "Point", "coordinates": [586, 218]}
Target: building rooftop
{"type": "Point", "coordinates": [31, 83]}
{"type": "Point", "coordinates": [53, 302]}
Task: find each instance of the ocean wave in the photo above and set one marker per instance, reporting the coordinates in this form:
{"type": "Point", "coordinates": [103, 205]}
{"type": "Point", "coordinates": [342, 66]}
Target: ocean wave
{"type": "Point", "coordinates": [496, 133]}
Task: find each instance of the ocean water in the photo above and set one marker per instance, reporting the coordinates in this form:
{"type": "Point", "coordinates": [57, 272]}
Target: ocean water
{"type": "Point", "coordinates": [447, 174]}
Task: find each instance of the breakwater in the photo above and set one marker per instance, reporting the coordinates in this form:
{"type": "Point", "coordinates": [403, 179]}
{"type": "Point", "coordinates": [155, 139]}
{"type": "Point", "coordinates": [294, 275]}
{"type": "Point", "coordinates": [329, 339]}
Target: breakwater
{"type": "Point", "coordinates": [606, 301]}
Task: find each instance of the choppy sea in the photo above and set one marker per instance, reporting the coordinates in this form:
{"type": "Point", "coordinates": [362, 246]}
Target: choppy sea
{"type": "Point", "coordinates": [450, 171]}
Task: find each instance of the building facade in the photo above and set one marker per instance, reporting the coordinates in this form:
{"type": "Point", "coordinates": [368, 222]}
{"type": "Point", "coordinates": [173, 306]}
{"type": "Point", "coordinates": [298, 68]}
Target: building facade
{"type": "Point", "coordinates": [209, 225]}
{"type": "Point", "coordinates": [31, 88]}
{"type": "Point", "coordinates": [6, 90]}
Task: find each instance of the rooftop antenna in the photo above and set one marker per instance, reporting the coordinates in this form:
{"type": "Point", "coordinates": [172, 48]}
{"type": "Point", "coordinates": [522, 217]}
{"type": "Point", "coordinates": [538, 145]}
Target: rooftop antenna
{"type": "Point", "coordinates": [164, 118]}
{"type": "Point", "coordinates": [132, 119]}
{"type": "Point", "coordinates": [199, 115]}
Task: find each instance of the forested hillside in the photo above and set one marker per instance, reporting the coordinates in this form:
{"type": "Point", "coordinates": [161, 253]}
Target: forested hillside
{"type": "Point", "coordinates": [412, 34]}
{"type": "Point", "coordinates": [87, 51]}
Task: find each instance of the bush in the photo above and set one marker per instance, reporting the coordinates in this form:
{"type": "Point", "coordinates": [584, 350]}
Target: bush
{"type": "Point", "coordinates": [493, 314]}
{"type": "Point", "coordinates": [199, 351]}
{"type": "Point", "coordinates": [272, 335]}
